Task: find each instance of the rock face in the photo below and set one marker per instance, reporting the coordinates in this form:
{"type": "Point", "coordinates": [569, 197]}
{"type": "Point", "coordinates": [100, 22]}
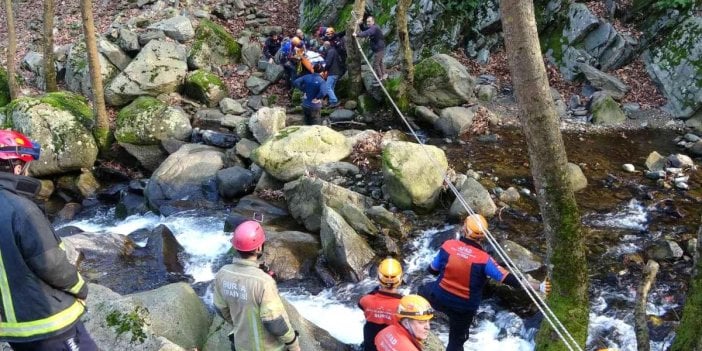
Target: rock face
{"type": "Point", "coordinates": [343, 248]}
{"type": "Point", "coordinates": [60, 122]}
{"type": "Point", "coordinates": [205, 87]}
{"type": "Point", "coordinates": [159, 68]}
{"type": "Point", "coordinates": [288, 153]}
{"type": "Point", "coordinates": [78, 71]}
{"type": "Point", "coordinates": [412, 179]}
{"type": "Point", "coordinates": [477, 197]}
{"type": "Point", "coordinates": [676, 66]}
{"type": "Point", "coordinates": [148, 121]}
{"type": "Point", "coordinates": [182, 175]}
{"type": "Point", "coordinates": [441, 81]}
{"type": "Point", "coordinates": [213, 45]}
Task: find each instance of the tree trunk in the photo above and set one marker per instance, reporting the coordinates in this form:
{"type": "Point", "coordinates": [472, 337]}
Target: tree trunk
{"type": "Point", "coordinates": [688, 336]}
{"type": "Point", "coordinates": [407, 57]}
{"type": "Point", "coordinates": [353, 56]}
{"type": "Point", "coordinates": [11, 51]}
{"type": "Point", "coordinates": [641, 322]}
{"type": "Point", "coordinates": [561, 218]}
{"type": "Point", "coordinates": [49, 68]}
{"type": "Point", "coordinates": [101, 131]}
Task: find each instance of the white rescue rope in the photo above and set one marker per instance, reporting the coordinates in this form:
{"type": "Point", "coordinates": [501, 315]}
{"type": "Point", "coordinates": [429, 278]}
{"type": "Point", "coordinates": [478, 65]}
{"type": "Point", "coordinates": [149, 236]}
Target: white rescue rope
{"type": "Point", "coordinates": [548, 314]}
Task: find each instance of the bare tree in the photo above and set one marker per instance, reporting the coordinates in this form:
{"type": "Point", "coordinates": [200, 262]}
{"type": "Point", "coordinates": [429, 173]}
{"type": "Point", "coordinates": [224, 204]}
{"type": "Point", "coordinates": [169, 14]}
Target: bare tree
{"type": "Point", "coordinates": [548, 160]}
{"type": "Point", "coordinates": [101, 131]}
{"type": "Point", "coordinates": [354, 59]}
{"type": "Point", "coordinates": [11, 51]}
{"type": "Point", "coordinates": [406, 52]}
{"type": "Point", "coordinates": [49, 68]}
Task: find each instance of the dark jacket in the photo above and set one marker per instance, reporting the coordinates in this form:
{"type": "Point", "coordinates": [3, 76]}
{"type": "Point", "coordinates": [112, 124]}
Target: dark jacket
{"type": "Point", "coordinates": [314, 87]}
{"type": "Point", "coordinates": [271, 47]}
{"type": "Point", "coordinates": [335, 66]}
{"type": "Point", "coordinates": [39, 288]}
{"type": "Point", "coordinates": [377, 41]}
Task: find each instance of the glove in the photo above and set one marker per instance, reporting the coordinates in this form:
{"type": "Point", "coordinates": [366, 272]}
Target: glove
{"type": "Point", "coordinates": [545, 287]}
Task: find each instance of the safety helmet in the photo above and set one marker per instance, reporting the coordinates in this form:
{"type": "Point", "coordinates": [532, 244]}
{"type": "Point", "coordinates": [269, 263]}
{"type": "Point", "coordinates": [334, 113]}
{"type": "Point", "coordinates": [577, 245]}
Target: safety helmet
{"type": "Point", "coordinates": [475, 226]}
{"type": "Point", "coordinates": [390, 273]}
{"type": "Point", "coordinates": [296, 41]}
{"type": "Point", "coordinates": [330, 31]}
{"type": "Point", "coordinates": [414, 307]}
{"type": "Point", "coordinates": [248, 236]}
{"type": "Point", "coordinates": [16, 146]}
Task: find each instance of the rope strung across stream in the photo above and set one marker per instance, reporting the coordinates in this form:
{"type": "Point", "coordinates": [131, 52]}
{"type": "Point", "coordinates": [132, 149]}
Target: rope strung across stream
{"type": "Point", "coordinates": [548, 314]}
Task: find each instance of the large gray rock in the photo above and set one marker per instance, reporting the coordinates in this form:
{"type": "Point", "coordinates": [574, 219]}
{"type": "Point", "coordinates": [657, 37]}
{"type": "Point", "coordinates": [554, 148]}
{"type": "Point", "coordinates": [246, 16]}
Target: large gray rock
{"type": "Point", "coordinates": [58, 122]}
{"type": "Point", "coordinates": [606, 111]}
{"type": "Point", "coordinates": [411, 178]}
{"type": "Point", "coordinates": [273, 72]}
{"type": "Point", "coordinates": [177, 28]}
{"type": "Point", "coordinates": [148, 121]}
{"type": "Point", "coordinates": [291, 254]}
{"type": "Point", "coordinates": [524, 259]}
{"type": "Point", "coordinates": [454, 121]}
{"type": "Point", "coordinates": [266, 122]}
{"type": "Point", "coordinates": [250, 53]}
{"type": "Point", "coordinates": [426, 115]}
{"type": "Point", "coordinates": [182, 174]}
{"type": "Point", "coordinates": [78, 70]}
{"type": "Point", "coordinates": [213, 45]}
{"type": "Point", "coordinates": [603, 81]}
{"type": "Point", "coordinates": [676, 67]}
{"type": "Point", "coordinates": [205, 87]}
{"type": "Point", "coordinates": [581, 21]}
{"type": "Point", "coordinates": [234, 181]}
{"type": "Point", "coordinates": [288, 154]}
{"type": "Point", "coordinates": [159, 68]}
{"type": "Point", "coordinates": [346, 252]}
{"type": "Point", "coordinates": [576, 177]}
{"type": "Point", "coordinates": [441, 81]}
{"type": "Point", "coordinates": [257, 85]}
{"type": "Point", "coordinates": [477, 197]}
{"type": "Point", "coordinates": [113, 53]}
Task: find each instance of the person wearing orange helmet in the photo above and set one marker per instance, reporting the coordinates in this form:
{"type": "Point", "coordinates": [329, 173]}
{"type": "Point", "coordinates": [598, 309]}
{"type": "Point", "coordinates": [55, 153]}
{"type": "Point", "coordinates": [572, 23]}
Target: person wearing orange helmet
{"type": "Point", "coordinates": [380, 305]}
{"type": "Point", "coordinates": [42, 293]}
{"type": "Point", "coordinates": [247, 297]}
{"type": "Point", "coordinates": [463, 267]}
{"type": "Point", "coordinates": [413, 315]}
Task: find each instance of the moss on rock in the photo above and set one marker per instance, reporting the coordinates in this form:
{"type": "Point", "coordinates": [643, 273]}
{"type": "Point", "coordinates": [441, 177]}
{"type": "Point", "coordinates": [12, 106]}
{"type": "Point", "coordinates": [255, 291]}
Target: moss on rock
{"type": "Point", "coordinates": [223, 48]}
{"type": "Point", "coordinates": [132, 119]}
{"type": "Point", "coordinates": [76, 104]}
{"type": "Point", "coordinates": [426, 69]}
{"type": "Point", "coordinates": [206, 87]}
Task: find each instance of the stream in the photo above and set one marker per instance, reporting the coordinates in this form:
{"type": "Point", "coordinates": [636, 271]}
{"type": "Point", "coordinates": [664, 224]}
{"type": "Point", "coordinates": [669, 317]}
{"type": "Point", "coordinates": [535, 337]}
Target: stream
{"type": "Point", "coordinates": [623, 213]}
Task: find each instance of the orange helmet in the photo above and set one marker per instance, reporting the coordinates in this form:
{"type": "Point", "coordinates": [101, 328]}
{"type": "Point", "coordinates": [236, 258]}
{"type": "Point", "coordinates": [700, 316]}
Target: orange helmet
{"type": "Point", "coordinates": [414, 307]}
{"type": "Point", "coordinates": [475, 226]}
{"type": "Point", "coordinates": [296, 41]}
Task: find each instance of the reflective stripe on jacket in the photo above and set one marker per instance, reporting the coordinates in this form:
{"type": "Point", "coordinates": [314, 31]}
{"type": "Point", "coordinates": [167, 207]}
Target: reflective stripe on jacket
{"type": "Point", "coordinates": [39, 288]}
{"type": "Point", "coordinates": [396, 338]}
{"type": "Point", "coordinates": [248, 298]}
{"type": "Point", "coordinates": [379, 308]}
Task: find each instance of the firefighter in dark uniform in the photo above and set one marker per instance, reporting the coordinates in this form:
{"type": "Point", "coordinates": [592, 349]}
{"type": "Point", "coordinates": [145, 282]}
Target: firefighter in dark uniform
{"type": "Point", "coordinates": [42, 295]}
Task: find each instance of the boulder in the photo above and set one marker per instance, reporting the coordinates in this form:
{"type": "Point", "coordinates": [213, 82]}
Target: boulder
{"type": "Point", "coordinates": [454, 121]}
{"type": "Point", "coordinates": [664, 250]}
{"type": "Point", "coordinates": [229, 106]}
{"type": "Point", "coordinates": [330, 170]}
{"type": "Point", "coordinates": [511, 195]}
{"type": "Point", "coordinates": [87, 184]}
{"type": "Point", "coordinates": [273, 72]}
{"type": "Point", "coordinates": [680, 161]}
{"type": "Point", "coordinates": [696, 148]}
{"type": "Point", "coordinates": [581, 21]}
{"type": "Point", "coordinates": [113, 53]}
{"type": "Point", "coordinates": [128, 40]}
{"type": "Point", "coordinates": [603, 81]}
{"type": "Point", "coordinates": [182, 174]}
{"type": "Point", "coordinates": [524, 259]}
{"type": "Point", "coordinates": [159, 68]}
{"type": "Point", "coordinates": [341, 114]}
{"type": "Point", "coordinates": [266, 122]}
{"type": "Point", "coordinates": [676, 67]}
{"type": "Point", "coordinates": [606, 111]}
{"type": "Point", "coordinates": [346, 252]}
{"type": "Point", "coordinates": [288, 154]}
{"type": "Point", "coordinates": [268, 211]}
{"type": "Point", "coordinates": [655, 161]}
{"type": "Point", "coordinates": [389, 221]}
{"type": "Point", "coordinates": [408, 179]}
{"type": "Point", "coordinates": [441, 81]}
{"type": "Point", "coordinates": [177, 28]}
{"type": "Point", "coordinates": [306, 198]}
{"type": "Point", "coordinates": [486, 92]}
{"type": "Point", "coordinates": [149, 156]}
{"type": "Point", "coordinates": [213, 45]}
{"type": "Point", "coordinates": [205, 87]}
{"type": "Point", "coordinates": [250, 53]}
{"type": "Point", "coordinates": [257, 85]}
{"type": "Point", "coordinates": [61, 123]}
{"type": "Point", "coordinates": [234, 181]}
{"type": "Point", "coordinates": [245, 147]}
{"type": "Point", "coordinates": [78, 70]}
{"type": "Point", "coordinates": [148, 121]}
{"type": "Point", "coordinates": [426, 115]}
{"type": "Point", "coordinates": [291, 254]}
{"type": "Point", "coordinates": [576, 176]}
{"type": "Point", "coordinates": [477, 197]}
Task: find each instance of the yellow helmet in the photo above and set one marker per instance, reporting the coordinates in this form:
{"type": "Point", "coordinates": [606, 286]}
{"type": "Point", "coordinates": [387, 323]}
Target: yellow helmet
{"type": "Point", "coordinates": [390, 273]}
{"type": "Point", "coordinates": [414, 307]}
{"type": "Point", "coordinates": [475, 226]}
{"type": "Point", "coordinates": [330, 31]}
{"type": "Point", "coordinates": [296, 41]}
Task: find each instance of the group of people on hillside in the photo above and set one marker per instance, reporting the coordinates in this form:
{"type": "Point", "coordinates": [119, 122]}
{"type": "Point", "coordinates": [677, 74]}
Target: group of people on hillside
{"type": "Point", "coordinates": [314, 65]}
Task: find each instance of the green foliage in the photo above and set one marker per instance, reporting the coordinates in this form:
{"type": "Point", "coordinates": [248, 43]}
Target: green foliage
{"type": "Point", "coordinates": [674, 4]}
{"type": "Point", "coordinates": [4, 88]}
{"type": "Point", "coordinates": [462, 8]}
{"type": "Point", "coordinates": [133, 322]}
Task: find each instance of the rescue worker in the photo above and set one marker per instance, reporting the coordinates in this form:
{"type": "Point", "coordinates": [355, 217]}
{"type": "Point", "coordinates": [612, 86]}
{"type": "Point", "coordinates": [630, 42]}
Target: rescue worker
{"type": "Point", "coordinates": [291, 52]}
{"type": "Point", "coordinates": [412, 328]}
{"type": "Point", "coordinates": [314, 87]}
{"type": "Point", "coordinates": [271, 46]}
{"type": "Point", "coordinates": [42, 293]}
{"type": "Point", "coordinates": [247, 297]}
{"type": "Point", "coordinates": [335, 69]}
{"type": "Point", "coordinates": [463, 267]}
{"type": "Point", "coordinates": [377, 42]}
{"type": "Point", "coordinates": [380, 305]}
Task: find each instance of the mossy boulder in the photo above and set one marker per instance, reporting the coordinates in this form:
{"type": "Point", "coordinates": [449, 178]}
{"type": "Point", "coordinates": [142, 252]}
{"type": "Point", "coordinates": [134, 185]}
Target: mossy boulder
{"type": "Point", "coordinates": [205, 87]}
{"type": "Point", "coordinates": [4, 88]}
{"type": "Point", "coordinates": [606, 111]}
{"type": "Point", "coordinates": [78, 71]}
{"type": "Point", "coordinates": [147, 121]}
{"type": "Point", "coordinates": [288, 153]}
{"type": "Point", "coordinates": [213, 45]}
{"type": "Point", "coordinates": [441, 81]}
{"type": "Point", "coordinates": [411, 178]}
{"type": "Point", "coordinates": [60, 123]}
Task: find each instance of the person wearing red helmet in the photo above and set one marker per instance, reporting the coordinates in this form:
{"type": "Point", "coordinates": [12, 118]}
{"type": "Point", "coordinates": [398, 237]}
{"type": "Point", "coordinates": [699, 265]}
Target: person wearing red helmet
{"type": "Point", "coordinates": [247, 297]}
{"type": "Point", "coordinates": [42, 294]}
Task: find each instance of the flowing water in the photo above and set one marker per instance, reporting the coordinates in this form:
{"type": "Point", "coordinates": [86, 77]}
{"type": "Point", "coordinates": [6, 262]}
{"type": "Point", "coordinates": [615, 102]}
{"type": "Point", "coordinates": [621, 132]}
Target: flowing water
{"type": "Point", "coordinates": [621, 215]}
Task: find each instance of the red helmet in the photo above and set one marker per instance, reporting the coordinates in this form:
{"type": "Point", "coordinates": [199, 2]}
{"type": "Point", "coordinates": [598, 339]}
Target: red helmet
{"type": "Point", "coordinates": [248, 236]}
{"type": "Point", "coordinates": [15, 145]}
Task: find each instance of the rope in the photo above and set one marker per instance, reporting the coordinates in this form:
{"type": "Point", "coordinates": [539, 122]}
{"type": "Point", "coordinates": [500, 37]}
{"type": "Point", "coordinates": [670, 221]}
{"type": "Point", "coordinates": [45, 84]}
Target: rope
{"type": "Point", "coordinates": [552, 319]}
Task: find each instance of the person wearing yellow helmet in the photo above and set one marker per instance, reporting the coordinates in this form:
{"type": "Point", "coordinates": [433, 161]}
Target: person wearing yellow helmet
{"type": "Point", "coordinates": [380, 305]}
{"type": "Point", "coordinates": [413, 313]}
{"type": "Point", "coordinates": [463, 267]}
